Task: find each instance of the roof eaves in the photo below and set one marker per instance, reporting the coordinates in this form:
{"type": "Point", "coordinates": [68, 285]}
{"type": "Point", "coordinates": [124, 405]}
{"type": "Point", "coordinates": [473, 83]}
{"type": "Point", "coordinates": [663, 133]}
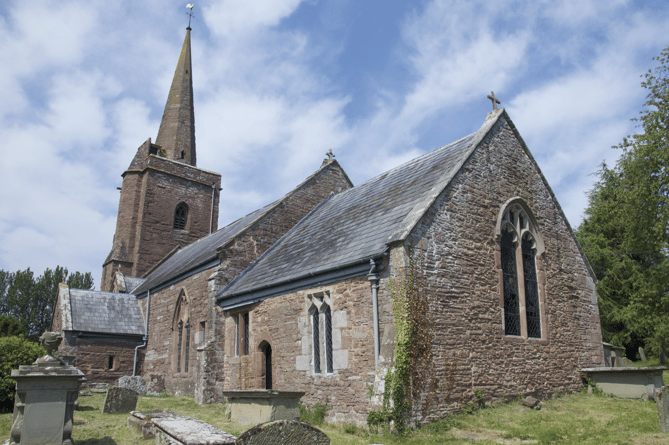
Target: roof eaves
{"type": "Point", "coordinates": [417, 212]}
{"type": "Point", "coordinates": [354, 269]}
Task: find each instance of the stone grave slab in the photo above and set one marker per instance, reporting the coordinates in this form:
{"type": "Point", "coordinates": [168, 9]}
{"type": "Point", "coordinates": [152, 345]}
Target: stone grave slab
{"type": "Point", "coordinates": [285, 432]}
{"type": "Point", "coordinates": [120, 400]}
{"type": "Point", "coordinates": [175, 429]}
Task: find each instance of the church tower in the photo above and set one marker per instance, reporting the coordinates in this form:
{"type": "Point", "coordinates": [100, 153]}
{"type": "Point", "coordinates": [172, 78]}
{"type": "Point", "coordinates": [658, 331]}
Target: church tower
{"type": "Point", "coordinates": [166, 200]}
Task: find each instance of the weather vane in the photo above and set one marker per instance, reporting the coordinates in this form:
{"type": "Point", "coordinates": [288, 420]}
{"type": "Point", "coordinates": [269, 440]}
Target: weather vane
{"type": "Point", "coordinates": [190, 13]}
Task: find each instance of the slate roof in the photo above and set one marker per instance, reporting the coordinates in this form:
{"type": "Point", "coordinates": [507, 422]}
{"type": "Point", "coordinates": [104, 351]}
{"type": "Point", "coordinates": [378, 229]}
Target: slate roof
{"type": "Point", "coordinates": [199, 253]}
{"type": "Point", "coordinates": [105, 312]}
{"type": "Point", "coordinates": [132, 283]}
{"type": "Point", "coordinates": [358, 223]}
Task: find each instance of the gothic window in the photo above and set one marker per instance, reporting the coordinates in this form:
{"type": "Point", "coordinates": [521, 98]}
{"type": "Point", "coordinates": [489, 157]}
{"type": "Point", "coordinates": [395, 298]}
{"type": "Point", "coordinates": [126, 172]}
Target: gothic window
{"type": "Point", "coordinates": [328, 337]}
{"type": "Point", "coordinates": [180, 216]}
{"type": "Point", "coordinates": [321, 330]}
{"type": "Point", "coordinates": [182, 330]}
{"type": "Point", "coordinates": [245, 317]}
{"type": "Point", "coordinates": [315, 324]}
{"type": "Point", "coordinates": [520, 244]}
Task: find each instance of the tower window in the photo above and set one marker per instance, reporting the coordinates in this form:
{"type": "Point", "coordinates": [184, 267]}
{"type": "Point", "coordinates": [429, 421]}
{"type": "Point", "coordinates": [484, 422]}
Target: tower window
{"type": "Point", "coordinates": [180, 216]}
{"type": "Point", "coordinates": [183, 154]}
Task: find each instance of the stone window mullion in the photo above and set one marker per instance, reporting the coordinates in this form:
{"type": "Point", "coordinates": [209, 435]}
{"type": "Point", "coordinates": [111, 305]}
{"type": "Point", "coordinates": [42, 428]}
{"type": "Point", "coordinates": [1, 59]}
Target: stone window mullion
{"type": "Point", "coordinates": [521, 291]}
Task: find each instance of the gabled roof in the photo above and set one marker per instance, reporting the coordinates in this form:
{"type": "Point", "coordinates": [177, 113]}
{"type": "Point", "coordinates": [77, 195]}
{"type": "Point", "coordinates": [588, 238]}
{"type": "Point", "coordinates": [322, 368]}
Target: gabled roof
{"type": "Point", "coordinates": [202, 254]}
{"type": "Point", "coordinates": [100, 312]}
{"type": "Point", "coordinates": [356, 225]}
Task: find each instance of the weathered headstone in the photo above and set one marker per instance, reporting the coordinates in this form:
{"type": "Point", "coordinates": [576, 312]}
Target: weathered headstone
{"type": "Point", "coordinates": [287, 432]}
{"type": "Point", "coordinates": [642, 354]}
{"type": "Point", "coordinates": [662, 399]}
{"type": "Point", "coordinates": [134, 382]}
{"type": "Point", "coordinates": [120, 400]}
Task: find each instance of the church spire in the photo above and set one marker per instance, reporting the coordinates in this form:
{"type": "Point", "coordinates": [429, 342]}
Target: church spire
{"type": "Point", "coordinates": [176, 135]}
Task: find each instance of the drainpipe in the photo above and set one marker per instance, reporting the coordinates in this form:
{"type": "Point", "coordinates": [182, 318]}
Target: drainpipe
{"type": "Point", "coordinates": [373, 277]}
{"type": "Point", "coordinates": [146, 333]}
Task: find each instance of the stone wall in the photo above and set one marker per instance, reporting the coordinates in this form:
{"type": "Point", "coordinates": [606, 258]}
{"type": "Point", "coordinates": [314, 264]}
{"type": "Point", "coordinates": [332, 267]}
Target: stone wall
{"type": "Point", "coordinates": [206, 376]}
{"type": "Point", "coordinates": [284, 323]}
{"type": "Point", "coordinates": [144, 227]}
{"type": "Point", "coordinates": [457, 246]}
{"type": "Point", "coordinates": [93, 356]}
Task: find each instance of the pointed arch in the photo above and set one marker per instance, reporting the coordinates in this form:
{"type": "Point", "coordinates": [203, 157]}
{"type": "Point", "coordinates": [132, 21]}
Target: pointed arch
{"type": "Point", "coordinates": [181, 329]}
{"type": "Point", "coordinates": [180, 216]}
{"type": "Point", "coordinates": [520, 246]}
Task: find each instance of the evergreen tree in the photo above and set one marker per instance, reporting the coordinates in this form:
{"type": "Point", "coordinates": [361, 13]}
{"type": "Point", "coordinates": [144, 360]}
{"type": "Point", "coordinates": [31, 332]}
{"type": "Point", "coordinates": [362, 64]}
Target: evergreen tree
{"type": "Point", "coordinates": [32, 300]}
{"type": "Point", "coordinates": [625, 232]}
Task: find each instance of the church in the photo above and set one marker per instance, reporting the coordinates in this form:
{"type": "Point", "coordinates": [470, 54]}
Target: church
{"type": "Point", "coordinates": [302, 294]}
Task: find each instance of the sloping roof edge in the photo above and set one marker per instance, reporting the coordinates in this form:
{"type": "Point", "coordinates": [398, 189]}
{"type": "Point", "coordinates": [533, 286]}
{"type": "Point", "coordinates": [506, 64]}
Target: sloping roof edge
{"type": "Point", "coordinates": [550, 191]}
{"type": "Point", "coordinates": [268, 251]}
{"type": "Point", "coordinates": [422, 206]}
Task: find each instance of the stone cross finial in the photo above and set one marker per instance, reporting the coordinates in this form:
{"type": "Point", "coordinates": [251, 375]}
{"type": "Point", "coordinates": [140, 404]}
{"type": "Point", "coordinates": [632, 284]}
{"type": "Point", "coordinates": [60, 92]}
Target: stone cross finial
{"type": "Point", "coordinates": [330, 155]}
{"type": "Point", "coordinates": [494, 100]}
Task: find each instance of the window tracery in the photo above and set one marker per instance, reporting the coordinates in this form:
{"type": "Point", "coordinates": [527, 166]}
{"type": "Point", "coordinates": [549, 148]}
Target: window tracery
{"type": "Point", "coordinates": [181, 216]}
{"type": "Point", "coordinates": [520, 244]}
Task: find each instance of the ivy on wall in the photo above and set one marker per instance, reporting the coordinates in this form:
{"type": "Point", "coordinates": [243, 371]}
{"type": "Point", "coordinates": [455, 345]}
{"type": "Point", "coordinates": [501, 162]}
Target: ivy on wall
{"type": "Point", "coordinates": [405, 381]}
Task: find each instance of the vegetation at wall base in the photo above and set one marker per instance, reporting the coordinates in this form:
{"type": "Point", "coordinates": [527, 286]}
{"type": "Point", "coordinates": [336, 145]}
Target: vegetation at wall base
{"type": "Point", "coordinates": [625, 231]}
{"type": "Point", "coordinates": [571, 419]}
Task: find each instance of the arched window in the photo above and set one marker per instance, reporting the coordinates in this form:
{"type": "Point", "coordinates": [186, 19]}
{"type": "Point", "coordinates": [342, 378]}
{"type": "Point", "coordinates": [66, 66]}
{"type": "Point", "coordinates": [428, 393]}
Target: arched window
{"type": "Point", "coordinates": [180, 216]}
{"type": "Point", "coordinates": [181, 327]}
{"type": "Point", "coordinates": [321, 330]}
{"type": "Point", "coordinates": [520, 243]}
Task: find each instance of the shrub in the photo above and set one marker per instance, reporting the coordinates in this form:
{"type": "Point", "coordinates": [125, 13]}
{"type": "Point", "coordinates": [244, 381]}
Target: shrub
{"type": "Point", "coordinates": [314, 416]}
{"type": "Point", "coordinates": [14, 351]}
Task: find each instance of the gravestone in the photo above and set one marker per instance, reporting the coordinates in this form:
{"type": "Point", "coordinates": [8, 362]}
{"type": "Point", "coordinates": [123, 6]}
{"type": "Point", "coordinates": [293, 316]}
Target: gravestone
{"type": "Point", "coordinates": [662, 398]}
{"type": "Point", "coordinates": [135, 382]}
{"type": "Point", "coordinates": [285, 432]}
{"type": "Point", "coordinates": [120, 400]}
{"type": "Point", "coordinates": [642, 354]}
{"type": "Point", "coordinates": [46, 393]}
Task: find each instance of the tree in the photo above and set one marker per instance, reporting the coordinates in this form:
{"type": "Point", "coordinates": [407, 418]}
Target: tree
{"type": "Point", "coordinates": [9, 326]}
{"type": "Point", "coordinates": [625, 232]}
{"type": "Point", "coordinates": [32, 300]}
{"type": "Point", "coordinates": [14, 351]}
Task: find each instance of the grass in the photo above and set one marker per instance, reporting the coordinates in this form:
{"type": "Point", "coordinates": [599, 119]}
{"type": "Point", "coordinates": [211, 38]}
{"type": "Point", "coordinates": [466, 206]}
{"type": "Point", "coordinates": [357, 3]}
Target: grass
{"type": "Point", "coordinates": [572, 419]}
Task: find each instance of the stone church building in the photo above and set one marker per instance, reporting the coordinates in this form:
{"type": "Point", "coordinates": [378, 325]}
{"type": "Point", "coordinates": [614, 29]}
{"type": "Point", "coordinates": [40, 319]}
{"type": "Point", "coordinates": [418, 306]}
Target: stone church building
{"type": "Point", "coordinates": [296, 296]}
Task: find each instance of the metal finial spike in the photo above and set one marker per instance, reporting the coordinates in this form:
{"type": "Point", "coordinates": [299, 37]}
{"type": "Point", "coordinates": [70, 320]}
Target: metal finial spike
{"type": "Point", "coordinates": [494, 100]}
{"type": "Point", "coordinates": [190, 13]}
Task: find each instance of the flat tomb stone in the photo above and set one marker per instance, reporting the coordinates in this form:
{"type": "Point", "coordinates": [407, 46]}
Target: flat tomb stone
{"type": "Point", "coordinates": [254, 407]}
{"type": "Point", "coordinates": [285, 432]}
{"type": "Point", "coordinates": [120, 400]}
{"type": "Point", "coordinates": [175, 429]}
{"type": "Point", "coordinates": [627, 382]}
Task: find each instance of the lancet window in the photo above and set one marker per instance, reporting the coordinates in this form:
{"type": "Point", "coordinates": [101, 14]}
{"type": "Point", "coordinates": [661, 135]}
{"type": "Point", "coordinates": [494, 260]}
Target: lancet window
{"type": "Point", "coordinates": [321, 330]}
{"type": "Point", "coordinates": [182, 329]}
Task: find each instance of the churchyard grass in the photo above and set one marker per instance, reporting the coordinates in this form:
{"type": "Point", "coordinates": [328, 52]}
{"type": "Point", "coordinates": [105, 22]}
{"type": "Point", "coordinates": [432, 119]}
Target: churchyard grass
{"type": "Point", "coordinates": [571, 419]}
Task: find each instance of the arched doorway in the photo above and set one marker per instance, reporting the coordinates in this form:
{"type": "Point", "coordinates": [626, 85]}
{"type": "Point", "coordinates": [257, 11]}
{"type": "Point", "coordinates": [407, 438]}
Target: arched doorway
{"type": "Point", "coordinates": [267, 357]}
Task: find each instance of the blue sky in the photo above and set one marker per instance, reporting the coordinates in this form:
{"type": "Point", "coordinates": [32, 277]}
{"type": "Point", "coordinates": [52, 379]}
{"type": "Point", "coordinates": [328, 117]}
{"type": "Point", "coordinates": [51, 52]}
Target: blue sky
{"type": "Point", "coordinates": [279, 83]}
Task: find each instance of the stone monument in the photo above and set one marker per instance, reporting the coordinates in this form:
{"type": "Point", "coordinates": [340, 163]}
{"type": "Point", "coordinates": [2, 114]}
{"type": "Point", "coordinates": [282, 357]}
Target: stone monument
{"type": "Point", "coordinates": [46, 392]}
